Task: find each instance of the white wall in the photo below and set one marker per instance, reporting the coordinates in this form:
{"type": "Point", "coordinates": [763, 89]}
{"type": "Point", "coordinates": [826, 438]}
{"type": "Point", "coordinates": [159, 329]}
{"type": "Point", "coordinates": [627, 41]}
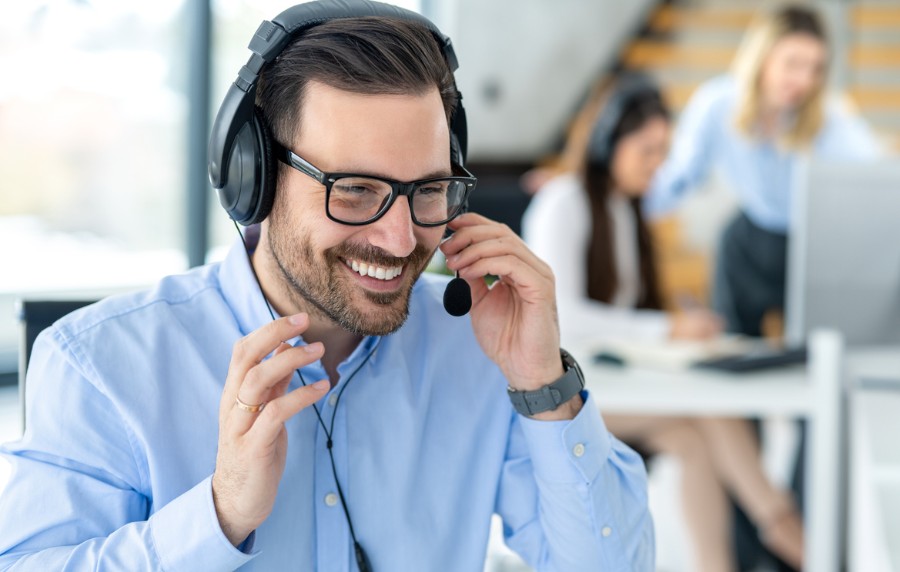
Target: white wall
{"type": "Point", "coordinates": [525, 64]}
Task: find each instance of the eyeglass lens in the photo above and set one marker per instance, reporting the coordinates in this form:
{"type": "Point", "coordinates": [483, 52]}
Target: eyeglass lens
{"type": "Point", "coordinates": [359, 199]}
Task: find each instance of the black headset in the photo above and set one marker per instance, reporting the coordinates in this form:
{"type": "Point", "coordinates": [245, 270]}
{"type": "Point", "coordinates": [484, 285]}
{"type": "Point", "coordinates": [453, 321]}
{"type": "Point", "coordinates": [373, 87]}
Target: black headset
{"type": "Point", "coordinates": [628, 89]}
{"type": "Point", "coordinates": [242, 164]}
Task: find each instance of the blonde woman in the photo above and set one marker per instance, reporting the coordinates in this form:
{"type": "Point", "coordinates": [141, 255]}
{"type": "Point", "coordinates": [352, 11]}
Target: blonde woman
{"type": "Point", "coordinates": [752, 126]}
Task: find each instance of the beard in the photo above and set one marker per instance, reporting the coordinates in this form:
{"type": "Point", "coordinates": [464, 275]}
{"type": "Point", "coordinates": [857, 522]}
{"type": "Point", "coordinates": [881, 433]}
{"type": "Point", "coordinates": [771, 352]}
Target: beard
{"type": "Point", "coordinates": [322, 286]}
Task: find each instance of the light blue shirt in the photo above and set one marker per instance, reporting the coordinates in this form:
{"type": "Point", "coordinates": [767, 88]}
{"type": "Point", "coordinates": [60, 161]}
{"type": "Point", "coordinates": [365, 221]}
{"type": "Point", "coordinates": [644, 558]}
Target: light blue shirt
{"type": "Point", "coordinates": [114, 469]}
{"type": "Point", "coordinates": [761, 174]}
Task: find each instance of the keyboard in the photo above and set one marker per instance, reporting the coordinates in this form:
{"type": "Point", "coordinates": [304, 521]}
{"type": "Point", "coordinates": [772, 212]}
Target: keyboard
{"type": "Point", "coordinates": [755, 360]}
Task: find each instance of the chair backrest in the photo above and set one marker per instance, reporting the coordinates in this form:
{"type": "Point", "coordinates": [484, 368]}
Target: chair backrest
{"type": "Point", "coordinates": [36, 316]}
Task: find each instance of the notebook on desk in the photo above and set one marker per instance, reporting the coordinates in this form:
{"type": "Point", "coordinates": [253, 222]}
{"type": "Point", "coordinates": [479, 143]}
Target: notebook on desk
{"type": "Point", "coordinates": [728, 353]}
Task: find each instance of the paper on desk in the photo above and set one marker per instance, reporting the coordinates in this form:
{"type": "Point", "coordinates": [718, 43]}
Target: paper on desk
{"type": "Point", "coordinates": [670, 355]}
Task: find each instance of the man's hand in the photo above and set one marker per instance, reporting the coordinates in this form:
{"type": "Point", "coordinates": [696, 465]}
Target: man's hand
{"type": "Point", "coordinates": [253, 445]}
{"type": "Point", "coordinates": [515, 321]}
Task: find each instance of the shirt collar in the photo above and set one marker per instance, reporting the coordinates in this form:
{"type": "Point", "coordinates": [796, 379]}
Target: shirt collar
{"type": "Point", "coordinates": [244, 296]}
{"type": "Point", "coordinates": [239, 287]}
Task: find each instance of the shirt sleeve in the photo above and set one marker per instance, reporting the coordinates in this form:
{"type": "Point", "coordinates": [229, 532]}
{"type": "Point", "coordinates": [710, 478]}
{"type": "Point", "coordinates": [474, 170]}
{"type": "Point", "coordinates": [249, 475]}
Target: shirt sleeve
{"type": "Point", "coordinates": [846, 135]}
{"type": "Point", "coordinates": [78, 495]}
{"type": "Point", "coordinates": [693, 148]}
{"type": "Point", "coordinates": [557, 228]}
{"type": "Point", "coordinates": [573, 498]}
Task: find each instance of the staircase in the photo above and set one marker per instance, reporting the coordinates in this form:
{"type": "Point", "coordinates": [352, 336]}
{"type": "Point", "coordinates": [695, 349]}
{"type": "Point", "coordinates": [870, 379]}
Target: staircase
{"type": "Point", "coordinates": [691, 41]}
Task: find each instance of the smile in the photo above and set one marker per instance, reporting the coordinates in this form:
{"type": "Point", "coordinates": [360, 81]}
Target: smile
{"type": "Point", "coordinates": [377, 272]}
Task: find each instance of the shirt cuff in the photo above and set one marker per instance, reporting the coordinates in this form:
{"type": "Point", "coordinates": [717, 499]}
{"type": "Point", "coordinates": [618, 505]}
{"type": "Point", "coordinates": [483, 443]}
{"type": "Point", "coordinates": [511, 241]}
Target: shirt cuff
{"type": "Point", "coordinates": [187, 534]}
{"type": "Point", "coordinates": [571, 451]}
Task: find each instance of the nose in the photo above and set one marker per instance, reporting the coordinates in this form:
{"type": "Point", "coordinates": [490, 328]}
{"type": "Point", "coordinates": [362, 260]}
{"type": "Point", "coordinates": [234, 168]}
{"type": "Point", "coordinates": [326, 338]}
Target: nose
{"type": "Point", "coordinates": [393, 232]}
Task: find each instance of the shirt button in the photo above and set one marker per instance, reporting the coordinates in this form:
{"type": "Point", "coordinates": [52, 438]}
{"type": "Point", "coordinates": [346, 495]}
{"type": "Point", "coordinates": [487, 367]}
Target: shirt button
{"type": "Point", "coordinates": [606, 531]}
{"type": "Point", "coordinates": [332, 399]}
{"type": "Point", "coordinates": [578, 450]}
{"type": "Point", "coordinates": [331, 499]}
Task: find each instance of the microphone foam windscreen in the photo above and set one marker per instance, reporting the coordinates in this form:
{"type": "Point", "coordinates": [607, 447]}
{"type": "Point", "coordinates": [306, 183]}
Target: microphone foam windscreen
{"type": "Point", "coordinates": [458, 297]}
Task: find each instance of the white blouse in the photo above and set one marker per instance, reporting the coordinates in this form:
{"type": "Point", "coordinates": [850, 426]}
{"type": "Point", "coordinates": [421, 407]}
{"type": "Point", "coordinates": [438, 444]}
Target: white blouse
{"type": "Point", "coordinates": [557, 227]}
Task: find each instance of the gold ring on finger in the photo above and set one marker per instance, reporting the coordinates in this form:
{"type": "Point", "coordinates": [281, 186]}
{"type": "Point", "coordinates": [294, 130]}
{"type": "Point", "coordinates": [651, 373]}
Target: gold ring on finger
{"type": "Point", "coordinates": [247, 407]}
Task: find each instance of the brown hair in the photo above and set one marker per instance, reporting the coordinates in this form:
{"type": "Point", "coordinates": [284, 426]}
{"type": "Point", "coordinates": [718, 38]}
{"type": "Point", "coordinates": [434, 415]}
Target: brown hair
{"type": "Point", "coordinates": [762, 35]}
{"type": "Point", "coordinates": [371, 55]}
{"type": "Point", "coordinates": [601, 268]}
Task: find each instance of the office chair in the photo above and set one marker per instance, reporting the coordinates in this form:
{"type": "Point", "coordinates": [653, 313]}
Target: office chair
{"type": "Point", "coordinates": [34, 317]}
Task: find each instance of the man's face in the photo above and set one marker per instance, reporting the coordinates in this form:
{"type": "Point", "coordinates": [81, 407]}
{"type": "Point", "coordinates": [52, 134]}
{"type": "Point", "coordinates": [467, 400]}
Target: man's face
{"type": "Point", "coordinates": [400, 137]}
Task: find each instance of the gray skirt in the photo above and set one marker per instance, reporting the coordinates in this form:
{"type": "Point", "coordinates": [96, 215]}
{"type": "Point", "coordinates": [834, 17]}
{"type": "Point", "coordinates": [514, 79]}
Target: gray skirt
{"type": "Point", "coordinates": [749, 275]}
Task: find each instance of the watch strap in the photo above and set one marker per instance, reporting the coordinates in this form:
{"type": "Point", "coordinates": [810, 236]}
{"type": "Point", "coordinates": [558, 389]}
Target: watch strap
{"type": "Point", "coordinates": [553, 395]}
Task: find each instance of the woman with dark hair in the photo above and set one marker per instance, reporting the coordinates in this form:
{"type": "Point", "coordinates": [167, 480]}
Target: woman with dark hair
{"type": "Point", "coordinates": [607, 274]}
{"type": "Point", "coordinates": [589, 228]}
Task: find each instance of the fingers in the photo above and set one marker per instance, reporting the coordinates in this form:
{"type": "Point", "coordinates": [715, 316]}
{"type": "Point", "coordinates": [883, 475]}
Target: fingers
{"type": "Point", "coordinates": [464, 236]}
{"type": "Point", "coordinates": [270, 420]}
{"type": "Point", "coordinates": [481, 246]}
{"type": "Point", "coordinates": [268, 381]}
{"type": "Point", "coordinates": [696, 325]}
{"type": "Point", "coordinates": [252, 348]}
{"type": "Point", "coordinates": [469, 219]}
{"type": "Point", "coordinates": [707, 323]}
{"type": "Point", "coordinates": [264, 376]}
{"type": "Point", "coordinates": [478, 287]}
{"type": "Point", "coordinates": [514, 273]}
{"type": "Point", "coordinates": [484, 245]}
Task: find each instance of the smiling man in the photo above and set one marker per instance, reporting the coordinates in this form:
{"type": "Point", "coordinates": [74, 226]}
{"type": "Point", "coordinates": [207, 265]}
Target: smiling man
{"type": "Point", "coordinates": [192, 428]}
{"type": "Point", "coordinates": [349, 286]}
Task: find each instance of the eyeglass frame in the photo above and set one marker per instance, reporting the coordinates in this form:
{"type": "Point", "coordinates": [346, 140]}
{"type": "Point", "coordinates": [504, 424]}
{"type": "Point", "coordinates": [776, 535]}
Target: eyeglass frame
{"type": "Point", "coordinates": [398, 188]}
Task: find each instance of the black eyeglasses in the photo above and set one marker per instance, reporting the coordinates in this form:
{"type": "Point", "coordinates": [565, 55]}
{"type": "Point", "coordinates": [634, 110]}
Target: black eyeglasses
{"type": "Point", "coordinates": [362, 199]}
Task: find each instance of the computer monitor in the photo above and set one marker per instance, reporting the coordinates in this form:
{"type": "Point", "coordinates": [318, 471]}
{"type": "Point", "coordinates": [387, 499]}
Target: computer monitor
{"type": "Point", "coordinates": [844, 252]}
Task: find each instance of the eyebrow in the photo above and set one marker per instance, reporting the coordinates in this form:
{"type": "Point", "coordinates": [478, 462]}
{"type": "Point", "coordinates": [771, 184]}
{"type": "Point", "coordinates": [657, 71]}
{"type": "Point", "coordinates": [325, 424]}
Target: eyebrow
{"type": "Point", "coordinates": [439, 174]}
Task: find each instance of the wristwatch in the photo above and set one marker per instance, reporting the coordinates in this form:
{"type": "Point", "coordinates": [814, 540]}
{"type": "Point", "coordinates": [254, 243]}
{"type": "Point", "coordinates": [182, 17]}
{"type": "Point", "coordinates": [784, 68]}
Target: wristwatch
{"type": "Point", "coordinates": [552, 395]}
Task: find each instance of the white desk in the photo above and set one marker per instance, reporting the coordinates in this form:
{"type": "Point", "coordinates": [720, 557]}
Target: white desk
{"type": "Point", "coordinates": [813, 392]}
{"type": "Point", "coordinates": [874, 532]}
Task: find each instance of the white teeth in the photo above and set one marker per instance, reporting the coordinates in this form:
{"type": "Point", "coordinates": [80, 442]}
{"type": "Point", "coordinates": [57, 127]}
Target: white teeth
{"type": "Point", "coordinates": [377, 272]}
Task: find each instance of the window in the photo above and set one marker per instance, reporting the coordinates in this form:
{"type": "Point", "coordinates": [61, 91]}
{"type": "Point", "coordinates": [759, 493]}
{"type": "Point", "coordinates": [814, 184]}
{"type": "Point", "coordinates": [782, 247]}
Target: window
{"type": "Point", "coordinates": [92, 146]}
{"type": "Point", "coordinates": [93, 143]}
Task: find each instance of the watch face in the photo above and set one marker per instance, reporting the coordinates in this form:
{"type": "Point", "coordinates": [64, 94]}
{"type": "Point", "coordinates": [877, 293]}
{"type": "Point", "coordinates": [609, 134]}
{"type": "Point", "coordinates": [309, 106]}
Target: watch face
{"type": "Point", "coordinates": [570, 363]}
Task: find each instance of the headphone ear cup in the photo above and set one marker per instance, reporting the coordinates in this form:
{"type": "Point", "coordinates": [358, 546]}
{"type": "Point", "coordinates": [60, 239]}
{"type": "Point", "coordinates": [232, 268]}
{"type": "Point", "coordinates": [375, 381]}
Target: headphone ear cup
{"type": "Point", "coordinates": [603, 140]}
{"type": "Point", "coordinates": [250, 191]}
{"type": "Point", "coordinates": [600, 145]}
{"type": "Point", "coordinates": [268, 168]}
{"type": "Point", "coordinates": [600, 153]}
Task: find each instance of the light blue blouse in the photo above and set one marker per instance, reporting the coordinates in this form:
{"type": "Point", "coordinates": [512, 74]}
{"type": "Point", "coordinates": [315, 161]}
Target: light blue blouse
{"type": "Point", "coordinates": [758, 171]}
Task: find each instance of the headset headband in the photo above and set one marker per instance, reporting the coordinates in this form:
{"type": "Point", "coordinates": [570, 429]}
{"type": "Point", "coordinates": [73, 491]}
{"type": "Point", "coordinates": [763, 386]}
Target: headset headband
{"type": "Point", "coordinates": [626, 90]}
{"type": "Point", "coordinates": [270, 39]}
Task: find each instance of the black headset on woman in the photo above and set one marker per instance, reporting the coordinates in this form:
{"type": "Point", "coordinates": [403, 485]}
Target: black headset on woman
{"type": "Point", "coordinates": [628, 89]}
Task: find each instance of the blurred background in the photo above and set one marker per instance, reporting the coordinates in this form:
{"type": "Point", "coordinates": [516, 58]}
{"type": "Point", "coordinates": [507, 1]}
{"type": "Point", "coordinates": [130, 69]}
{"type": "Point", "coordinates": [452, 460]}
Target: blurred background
{"type": "Point", "coordinates": [104, 113]}
{"type": "Point", "coordinates": [106, 106]}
